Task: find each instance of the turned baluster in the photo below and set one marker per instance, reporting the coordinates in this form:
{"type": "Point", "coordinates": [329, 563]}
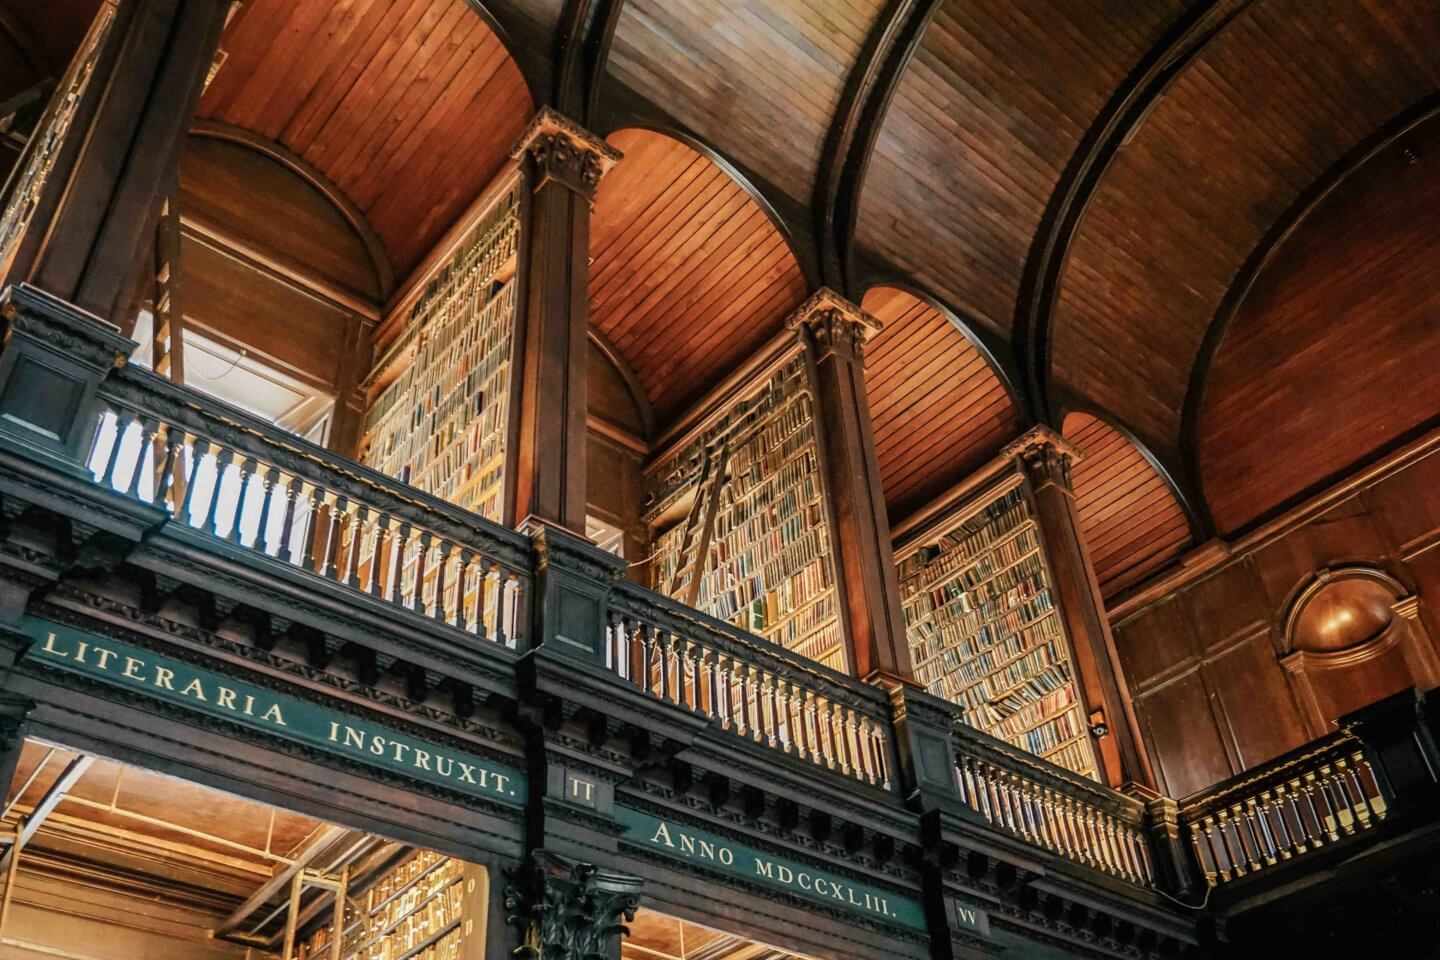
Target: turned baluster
{"type": "Point", "coordinates": [267, 497]}
{"type": "Point", "coordinates": [293, 492]}
{"type": "Point", "coordinates": [247, 467]}
{"type": "Point", "coordinates": [149, 427]}
{"type": "Point", "coordinates": [123, 420]}
{"type": "Point", "coordinates": [165, 485]}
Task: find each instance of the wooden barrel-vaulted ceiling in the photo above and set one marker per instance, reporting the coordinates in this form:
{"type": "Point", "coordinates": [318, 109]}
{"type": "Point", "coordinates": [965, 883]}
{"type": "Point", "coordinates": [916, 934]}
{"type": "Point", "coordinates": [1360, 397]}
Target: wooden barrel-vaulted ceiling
{"type": "Point", "coordinates": [688, 275]}
{"type": "Point", "coordinates": [938, 407]}
{"type": "Point", "coordinates": [409, 106]}
{"type": "Point", "coordinates": [1332, 354]}
{"type": "Point", "coordinates": [1132, 523]}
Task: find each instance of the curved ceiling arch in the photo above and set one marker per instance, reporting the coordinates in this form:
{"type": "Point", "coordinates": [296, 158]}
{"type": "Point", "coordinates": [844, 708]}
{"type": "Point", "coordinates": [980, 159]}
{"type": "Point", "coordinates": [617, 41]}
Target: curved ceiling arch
{"type": "Point", "coordinates": [988, 113]}
{"type": "Point", "coordinates": [1287, 88]}
{"type": "Point", "coordinates": [690, 273]}
{"type": "Point", "coordinates": [1131, 515]}
{"type": "Point", "coordinates": [379, 263]}
{"type": "Point", "coordinates": [1327, 361]}
{"type": "Point", "coordinates": [411, 108]}
{"type": "Point", "coordinates": [940, 406]}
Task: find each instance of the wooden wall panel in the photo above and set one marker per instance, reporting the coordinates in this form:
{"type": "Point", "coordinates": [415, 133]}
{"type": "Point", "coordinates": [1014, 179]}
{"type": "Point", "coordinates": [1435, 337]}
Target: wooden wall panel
{"type": "Point", "coordinates": [1278, 97]}
{"type": "Point", "coordinates": [1131, 520]}
{"type": "Point", "coordinates": [688, 275]}
{"type": "Point", "coordinates": [1331, 356]}
{"type": "Point", "coordinates": [246, 308]}
{"type": "Point", "coordinates": [259, 202]}
{"type": "Point", "coordinates": [987, 115]}
{"type": "Point", "coordinates": [410, 106]}
{"type": "Point", "coordinates": [1224, 628]}
{"type": "Point", "coordinates": [1184, 741]}
{"type": "Point", "coordinates": [938, 407]}
{"type": "Point", "coordinates": [761, 77]}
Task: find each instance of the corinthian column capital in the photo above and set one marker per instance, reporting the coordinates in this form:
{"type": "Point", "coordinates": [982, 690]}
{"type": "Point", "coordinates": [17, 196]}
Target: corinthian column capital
{"type": "Point", "coordinates": [565, 153]}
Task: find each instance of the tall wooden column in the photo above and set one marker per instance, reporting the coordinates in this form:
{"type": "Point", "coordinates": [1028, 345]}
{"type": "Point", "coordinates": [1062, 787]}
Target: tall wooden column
{"type": "Point", "coordinates": [563, 164]}
{"type": "Point", "coordinates": [836, 331]}
{"type": "Point", "coordinates": [1046, 459]}
{"type": "Point", "coordinates": [96, 205]}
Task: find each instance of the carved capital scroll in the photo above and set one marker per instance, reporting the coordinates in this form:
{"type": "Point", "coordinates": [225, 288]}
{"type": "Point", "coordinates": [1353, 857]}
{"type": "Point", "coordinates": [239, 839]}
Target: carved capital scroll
{"type": "Point", "coordinates": [567, 910]}
{"type": "Point", "coordinates": [566, 153]}
{"type": "Point", "coordinates": [1045, 455]}
{"type": "Point", "coordinates": [836, 325]}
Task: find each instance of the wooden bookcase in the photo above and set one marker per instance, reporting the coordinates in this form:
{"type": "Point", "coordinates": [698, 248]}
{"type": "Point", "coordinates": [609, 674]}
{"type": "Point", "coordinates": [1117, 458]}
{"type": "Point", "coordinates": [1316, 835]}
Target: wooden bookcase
{"type": "Point", "coordinates": [429, 907]}
{"type": "Point", "coordinates": [742, 520]}
{"type": "Point", "coordinates": [442, 423]}
{"type": "Point", "coordinates": [983, 628]}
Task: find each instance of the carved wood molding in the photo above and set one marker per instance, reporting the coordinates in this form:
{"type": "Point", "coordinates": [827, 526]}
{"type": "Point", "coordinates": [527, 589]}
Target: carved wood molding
{"type": "Point", "coordinates": [565, 153]}
{"type": "Point", "coordinates": [837, 326]}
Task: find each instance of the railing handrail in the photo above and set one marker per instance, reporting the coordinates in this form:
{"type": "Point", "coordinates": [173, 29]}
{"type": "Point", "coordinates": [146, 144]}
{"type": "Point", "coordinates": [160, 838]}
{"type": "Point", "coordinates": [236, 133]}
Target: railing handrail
{"type": "Point", "coordinates": [145, 392]}
{"type": "Point", "coordinates": [977, 743]}
{"type": "Point", "coordinates": [730, 639]}
{"type": "Point", "coordinates": [1268, 774]}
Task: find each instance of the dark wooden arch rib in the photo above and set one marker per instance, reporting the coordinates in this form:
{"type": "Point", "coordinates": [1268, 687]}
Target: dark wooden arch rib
{"type": "Point", "coordinates": [1283, 228]}
{"type": "Point", "coordinates": [586, 30]}
{"type": "Point", "coordinates": [852, 134]}
{"type": "Point", "coordinates": [1122, 115]}
{"type": "Point", "coordinates": [353, 215]}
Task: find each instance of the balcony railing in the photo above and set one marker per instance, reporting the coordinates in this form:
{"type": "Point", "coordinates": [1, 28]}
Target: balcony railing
{"type": "Point", "coordinates": [750, 688]}
{"type": "Point", "coordinates": [1298, 804]}
{"type": "Point", "coordinates": [1052, 808]}
{"type": "Point", "coordinates": [257, 489]}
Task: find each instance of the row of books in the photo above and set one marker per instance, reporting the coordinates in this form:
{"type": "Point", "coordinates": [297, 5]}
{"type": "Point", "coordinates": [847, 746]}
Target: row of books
{"type": "Point", "coordinates": [442, 424]}
{"type": "Point", "coordinates": [411, 913]}
{"type": "Point", "coordinates": [1076, 756]}
{"type": "Point", "coordinates": [984, 633]}
{"type": "Point", "coordinates": [769, 568]}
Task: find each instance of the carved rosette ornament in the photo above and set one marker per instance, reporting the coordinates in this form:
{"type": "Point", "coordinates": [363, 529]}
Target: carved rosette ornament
{"type": "Point", "coordinates": [566, 910]}
{"type": "Point", "coordinates": [1045, 455]}
{"type": "Point", "coordinates": [565, 153]}
{"type": "Point", "coordinates": [835, 325]}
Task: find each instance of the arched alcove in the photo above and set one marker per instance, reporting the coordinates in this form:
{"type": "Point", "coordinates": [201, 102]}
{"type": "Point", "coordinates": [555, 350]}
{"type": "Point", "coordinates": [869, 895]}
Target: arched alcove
{"type": "Point", "coordinates": [938, 407]}
{"type": "Point", "coordinates": [1131, 520]}
{"type": "Point", "coordinates": [689, 273]}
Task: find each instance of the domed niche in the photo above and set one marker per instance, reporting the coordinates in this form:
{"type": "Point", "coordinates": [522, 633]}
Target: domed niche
{"type": "Point", "coordinates": [1343, 613]}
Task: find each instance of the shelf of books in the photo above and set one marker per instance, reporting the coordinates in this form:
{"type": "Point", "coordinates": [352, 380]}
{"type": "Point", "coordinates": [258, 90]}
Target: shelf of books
{"type": "Point", "coordinates": [755, 546]}
{"type": "Point", "coordinates": [984, 632]}
{"type": "Point", "coordinates": [430, 907]}
{"type": "Point", "coordinates": [441, 424]}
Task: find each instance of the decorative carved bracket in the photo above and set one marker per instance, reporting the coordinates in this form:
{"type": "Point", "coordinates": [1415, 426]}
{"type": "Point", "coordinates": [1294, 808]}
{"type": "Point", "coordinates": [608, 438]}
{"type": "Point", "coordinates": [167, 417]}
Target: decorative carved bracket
{"type": "Point", "coordinates": [1046, 456]}
{"type": "Point", "coordinates": [566, 153]}
{"type": "Point", "coordinates": [837, 325]}
{"type": "Point", "coordinates": [568, 910]}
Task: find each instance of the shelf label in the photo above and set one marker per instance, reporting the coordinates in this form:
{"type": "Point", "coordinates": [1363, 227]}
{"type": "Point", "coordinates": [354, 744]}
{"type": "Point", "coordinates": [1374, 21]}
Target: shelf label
{"type": "Point", "coordinates": [204, 691]}
{"type": "Point", "coordinates": [719, 855]}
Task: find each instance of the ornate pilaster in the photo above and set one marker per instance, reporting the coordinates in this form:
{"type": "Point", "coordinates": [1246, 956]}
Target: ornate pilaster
{"type": "Point", "coordinates": [562, 165]}
{"type": "Point", "coordinates": [1045, 459]}
{"type": "Point", "coordinates": [834, 331]}
{"type": "Point", "coordinates": [567, 910]}
{"type": "Point", "coordinates": [1174, 864]}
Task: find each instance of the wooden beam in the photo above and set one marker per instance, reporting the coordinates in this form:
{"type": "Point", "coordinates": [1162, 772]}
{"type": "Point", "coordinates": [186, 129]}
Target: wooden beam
{"type": "Point", "coordinates": [329, 838]}
{"type": "Point", "coordinates": [1117, 122]}
{"type": "Point", "coordinates": [586, 29]}
{"type": "Point", "coordinates": [70, 776]}
{"type": "Point", "coordinates": [851, 138]}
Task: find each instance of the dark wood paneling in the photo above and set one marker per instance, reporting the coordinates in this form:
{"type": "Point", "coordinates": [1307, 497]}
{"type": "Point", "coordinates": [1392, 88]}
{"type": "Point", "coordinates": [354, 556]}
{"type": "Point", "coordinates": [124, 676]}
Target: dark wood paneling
{"type": "Point", "coordinates": [257, 200]}
{"type": "Point", "coordinates": [1331, 356]}
{"type": "Point", "coordinates": [759, 77]}
{"type": "Point", "coordinates": [410, 106]}
{"type": "Point", "coordinates": [244, 307]}
{"type": "Point", "coordinates": [939, 409]}
{"type": "Point", "coordinates": [51, 30]}
{"type": "Point", "coordinates": [981, 127]}
{"type": "Point", "coordinates": [688, 275]}
{"type": "Point", "coordinates": [1244, 677]}
{"type": "Point", "coordinates": [1132, 523]}
{"type": "Point", "coordinates": [1226, 626]}
{"type": "Point", "coordinates": [1184, 741]}
{"type": "Point", "coordinates": [1279, 96]}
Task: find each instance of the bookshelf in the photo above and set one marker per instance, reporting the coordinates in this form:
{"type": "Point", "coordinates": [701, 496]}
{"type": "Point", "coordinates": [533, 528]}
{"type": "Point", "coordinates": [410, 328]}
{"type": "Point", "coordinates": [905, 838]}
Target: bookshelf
{"type": "Point", "coordinates": [441, 424]}
{"type": "Point", "coordinates": [984, 631]}
{"type": "Point", "coordinates": [742, 528]}
{"type": "Point", "coordinates": [425, 908]}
